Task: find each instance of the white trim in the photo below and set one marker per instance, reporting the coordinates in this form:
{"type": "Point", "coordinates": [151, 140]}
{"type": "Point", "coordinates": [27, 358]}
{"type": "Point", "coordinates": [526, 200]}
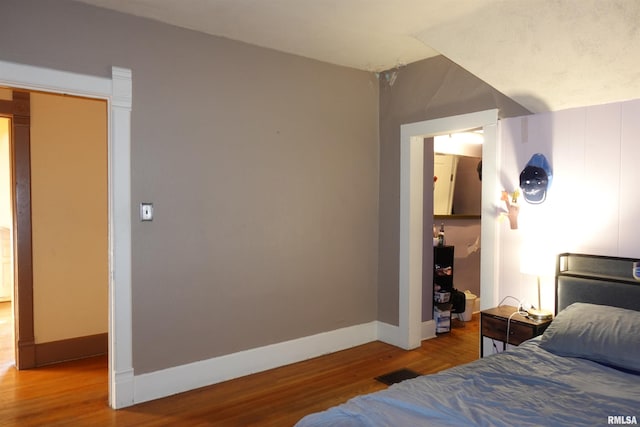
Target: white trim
{"type": "Point", "coordinates": [121, 385]}
{"type": "Point", "coordinates": [55, 81]}
{"type": "Point", "coordinates": [411, 195]}
{"type": "Point", "coordinates": [489, 229]}
{"type": "Point", "coordinates": [428, 330]}
{"type": "Point", "coordinates": [117, 92]}
{"type": "Point", "coordinates": [411, 179]}
{"type": "Point", "coordinates": [389, 334]}
{"type": "Point", "coordinates": [166, 382]}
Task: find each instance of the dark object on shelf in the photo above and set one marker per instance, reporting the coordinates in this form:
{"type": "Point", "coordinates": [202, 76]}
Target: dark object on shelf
{"type": "Point", "coordinates": [458, 301]}
{"type": "Point", "coordinates": [447, 299]}
{"type": "Point", "coordinates": [443, 267]}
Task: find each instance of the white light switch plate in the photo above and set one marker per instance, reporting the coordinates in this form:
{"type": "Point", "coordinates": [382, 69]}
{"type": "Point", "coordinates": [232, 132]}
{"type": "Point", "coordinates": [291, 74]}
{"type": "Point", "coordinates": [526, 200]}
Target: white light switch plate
{"type": "Point", "coordinates": [146, 211]}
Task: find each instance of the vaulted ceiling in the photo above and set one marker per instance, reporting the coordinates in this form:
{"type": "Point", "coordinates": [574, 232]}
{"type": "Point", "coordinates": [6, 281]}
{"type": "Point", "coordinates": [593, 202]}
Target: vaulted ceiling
{"type": "Point", "coordinates": [546, 55]}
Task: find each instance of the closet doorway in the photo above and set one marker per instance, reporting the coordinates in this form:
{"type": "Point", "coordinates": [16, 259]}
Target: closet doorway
{"type": "Point", "coordinates": [413, 168]}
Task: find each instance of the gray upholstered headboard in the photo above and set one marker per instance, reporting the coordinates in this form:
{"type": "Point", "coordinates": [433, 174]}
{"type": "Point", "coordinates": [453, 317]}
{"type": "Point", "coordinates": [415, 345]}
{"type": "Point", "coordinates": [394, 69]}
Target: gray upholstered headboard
{"type": "Point", "coordinates": [596, 279]}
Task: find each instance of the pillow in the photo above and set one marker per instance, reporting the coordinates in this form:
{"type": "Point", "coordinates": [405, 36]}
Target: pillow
{"type": "Point", "coordinates": [601, 333]}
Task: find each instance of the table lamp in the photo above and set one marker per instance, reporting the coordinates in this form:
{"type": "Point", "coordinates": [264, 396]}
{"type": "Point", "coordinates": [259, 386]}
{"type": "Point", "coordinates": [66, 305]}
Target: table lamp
{"type": "Point", "coordinates": [539, 313]}
{"type": "Point", "coordinates": [537, 263]}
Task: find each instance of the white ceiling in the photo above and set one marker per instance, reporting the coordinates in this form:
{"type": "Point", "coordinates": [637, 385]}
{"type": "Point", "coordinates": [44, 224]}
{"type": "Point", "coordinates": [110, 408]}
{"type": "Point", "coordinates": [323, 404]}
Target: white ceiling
{"type": "Point", "coordinates": [547, 55]}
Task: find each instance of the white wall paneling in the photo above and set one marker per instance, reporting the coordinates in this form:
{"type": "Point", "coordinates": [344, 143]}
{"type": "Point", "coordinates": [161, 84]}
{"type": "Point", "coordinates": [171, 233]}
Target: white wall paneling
{"type": "Point", "coordinates": [629, 210]}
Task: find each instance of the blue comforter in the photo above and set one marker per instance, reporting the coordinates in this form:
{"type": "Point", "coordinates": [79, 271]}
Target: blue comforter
{"type": "Point", "coordinates": [525, 386]}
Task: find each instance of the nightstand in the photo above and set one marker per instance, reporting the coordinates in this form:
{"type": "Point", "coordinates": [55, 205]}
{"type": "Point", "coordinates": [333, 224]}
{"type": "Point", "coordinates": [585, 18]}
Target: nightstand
{"type": "Point", "coordinates": [493, 324]}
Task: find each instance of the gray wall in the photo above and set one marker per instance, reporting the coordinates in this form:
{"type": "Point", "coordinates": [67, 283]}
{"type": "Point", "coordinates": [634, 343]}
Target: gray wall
{"type": "Point", "coordinates": [263, 171]}
{"type": "Point", "coordinates": [428, 89]}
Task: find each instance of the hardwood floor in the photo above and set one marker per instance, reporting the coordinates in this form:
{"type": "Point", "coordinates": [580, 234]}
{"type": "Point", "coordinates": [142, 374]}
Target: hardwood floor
{"type": "Point", "coordinates": [75, 393]}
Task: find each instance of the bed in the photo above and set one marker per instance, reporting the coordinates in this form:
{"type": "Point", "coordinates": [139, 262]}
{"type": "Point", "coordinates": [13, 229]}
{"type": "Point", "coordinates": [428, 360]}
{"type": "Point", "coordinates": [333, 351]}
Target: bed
{"type": "Point", "coordinates": [583, 371]}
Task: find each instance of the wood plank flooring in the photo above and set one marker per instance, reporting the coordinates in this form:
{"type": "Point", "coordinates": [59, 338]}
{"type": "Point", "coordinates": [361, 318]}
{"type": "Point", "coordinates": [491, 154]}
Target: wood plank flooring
{"type": "Point", "coordinates": [75, 393]}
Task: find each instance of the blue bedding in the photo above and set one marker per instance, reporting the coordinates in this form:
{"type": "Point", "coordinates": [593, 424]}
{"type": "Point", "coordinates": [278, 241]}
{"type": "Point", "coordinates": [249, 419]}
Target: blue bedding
{"type": "Point", "coordinates": [525, 386]}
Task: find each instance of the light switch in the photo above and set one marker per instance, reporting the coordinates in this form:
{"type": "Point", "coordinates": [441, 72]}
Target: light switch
{"type": "Point", "coordinates": [146, 211]}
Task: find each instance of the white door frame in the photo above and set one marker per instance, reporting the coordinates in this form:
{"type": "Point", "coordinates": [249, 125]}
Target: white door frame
{"type": "Point", "coordinates": [117, 91]}
{"type": "Point", "coordinates": [411, 197]}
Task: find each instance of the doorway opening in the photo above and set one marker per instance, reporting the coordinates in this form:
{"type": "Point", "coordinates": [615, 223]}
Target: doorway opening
{"type": "Point", "coordinates": [413, 203]}
{"type": "Point", "coordinates": [57, 228]}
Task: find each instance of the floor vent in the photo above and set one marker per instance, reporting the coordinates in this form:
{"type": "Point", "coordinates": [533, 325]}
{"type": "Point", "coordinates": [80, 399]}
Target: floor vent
{"type": "Point", "coordinates": [397, 376]}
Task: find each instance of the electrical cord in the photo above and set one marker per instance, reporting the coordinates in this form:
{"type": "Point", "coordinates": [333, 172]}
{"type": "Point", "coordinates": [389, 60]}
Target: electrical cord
{"type": "Point", "coordinates": [518, 311]}
{"type": "Point", "coordinates": [509, 296]}
{"type": "Point", "coordinates": [509, 324]}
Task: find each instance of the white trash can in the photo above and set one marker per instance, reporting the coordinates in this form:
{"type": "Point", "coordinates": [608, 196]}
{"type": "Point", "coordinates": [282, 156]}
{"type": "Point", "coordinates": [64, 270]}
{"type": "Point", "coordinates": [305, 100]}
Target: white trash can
{"type": "Point", "coordinates": [469, 303]}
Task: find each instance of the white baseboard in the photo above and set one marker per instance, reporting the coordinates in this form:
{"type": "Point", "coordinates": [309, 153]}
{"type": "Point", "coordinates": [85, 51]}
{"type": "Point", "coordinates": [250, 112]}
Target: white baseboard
{"type": "Point", "coordinates": [389, 334]}
{"type": "Point", "coordinates": [122, 394]}
{"type": "Point", "coordinates": [428, 330]}
{"type": "Point", "coordinates": [155, 385]}
{"type": "Point", "coordinates": [167, 382]}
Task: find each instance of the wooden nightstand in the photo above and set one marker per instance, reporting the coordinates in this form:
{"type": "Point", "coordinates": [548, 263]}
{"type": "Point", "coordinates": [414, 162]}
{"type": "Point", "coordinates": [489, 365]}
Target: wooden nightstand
{"type": "Point", "coordinates": [493, 324]}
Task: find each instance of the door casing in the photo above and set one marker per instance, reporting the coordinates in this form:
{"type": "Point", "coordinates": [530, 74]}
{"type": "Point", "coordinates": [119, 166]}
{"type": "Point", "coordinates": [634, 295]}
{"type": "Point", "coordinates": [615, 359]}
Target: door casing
{"type": "Point", "coordinates": [412, 137]}
{"type": "Point", "coordinates": [117, 91]}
